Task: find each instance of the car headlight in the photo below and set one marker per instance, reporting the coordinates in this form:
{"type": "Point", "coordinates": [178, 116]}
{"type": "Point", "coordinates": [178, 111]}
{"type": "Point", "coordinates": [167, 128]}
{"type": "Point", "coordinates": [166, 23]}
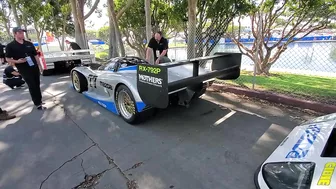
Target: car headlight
{"type": "Point", "coordinates": [288, 175]}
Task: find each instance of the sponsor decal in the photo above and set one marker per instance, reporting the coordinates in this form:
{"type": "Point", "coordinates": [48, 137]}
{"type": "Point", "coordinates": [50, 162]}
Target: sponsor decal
{"type": "Point", "coordinates": [327, 173]}
{"type": "Point", "coordinates": [150, 80]}
{"type": "Point", "coordinates": [152, 70]}
{"type": "Point", "coordinates": [302, 146]}
{"type": "Point", "coordinates": [106, 85]}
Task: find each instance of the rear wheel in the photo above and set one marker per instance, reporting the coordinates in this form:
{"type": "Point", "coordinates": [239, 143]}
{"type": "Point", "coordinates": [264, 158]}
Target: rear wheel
{"type": "Point", "coordinates": [126, 105]}
{"type": "Point", "coordinates": [79, 82]}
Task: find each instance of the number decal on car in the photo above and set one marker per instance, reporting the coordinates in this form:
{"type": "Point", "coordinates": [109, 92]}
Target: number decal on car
{"type": "Point", "coordinates": [93, 81]}
{"type": "Point", "coordinates": [327, 173]}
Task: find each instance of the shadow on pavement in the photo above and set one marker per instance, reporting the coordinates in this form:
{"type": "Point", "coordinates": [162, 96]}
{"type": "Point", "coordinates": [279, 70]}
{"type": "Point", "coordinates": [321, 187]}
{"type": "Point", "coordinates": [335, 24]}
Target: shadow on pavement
{"type": "Point", "coordinates": [205, 146]}
{"type": "Point", "coordinates": [36, 144]}
{"type": "Point", "coordinates": [216, 143]}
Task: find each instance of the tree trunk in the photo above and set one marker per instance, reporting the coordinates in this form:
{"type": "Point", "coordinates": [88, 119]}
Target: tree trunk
{"type": "Point", "coordinates": [7, 29]}
{"type": "Point", "coordinates": [38, 35]}
{"type": "Point", "coordinates": [112, 51]}
{"type": "Point", "coordinates": [192, 6]}
{"type": "Point", "coordinates": [148, 28]}
{"type": "Point", "coordinates": [77, 7]}
{"type": "Point", "coordinates": [113, 48]}
{"type": "Point", "coordinates": [81, 24]}
{"type": "Point", "coordinates": [59, 43]}
{"type": "Point", "coordinates": [16, 16]}
{"type": "Point", "coordinates": [74, 14]}
{"type": "Point", "coordinates": [63, 35]}
{"type": "Point", "coordinates": [119, 43]}
{"type": "Point", "coordinates": [25, 27]}
{"type": "Point", "coordinates": [148, 20]}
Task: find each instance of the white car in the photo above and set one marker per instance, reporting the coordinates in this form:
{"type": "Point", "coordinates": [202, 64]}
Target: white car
{"type": "Point", "coordinates": [305, 159]}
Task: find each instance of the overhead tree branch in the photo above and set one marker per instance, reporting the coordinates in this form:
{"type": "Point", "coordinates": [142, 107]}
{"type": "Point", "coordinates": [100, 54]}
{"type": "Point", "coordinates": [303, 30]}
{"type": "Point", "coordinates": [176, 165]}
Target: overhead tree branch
{"type": "Point", "coordinates": [122, 11]}
{"type": "Point", "coordinates": [93, 8]}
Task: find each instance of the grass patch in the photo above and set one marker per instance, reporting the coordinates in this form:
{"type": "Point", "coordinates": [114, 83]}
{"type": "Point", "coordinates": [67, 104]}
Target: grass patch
{"type": "Point", "coordinates": [303, 85]}
{"type": "Point", "coordinates": [101, 55]}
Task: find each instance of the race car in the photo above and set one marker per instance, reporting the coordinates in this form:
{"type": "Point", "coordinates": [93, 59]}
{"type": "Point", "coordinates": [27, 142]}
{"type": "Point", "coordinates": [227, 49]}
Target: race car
{"type": "Point", "coordinates": [305, 159]}
{"type": "Point", "coordinates": [130, 86]}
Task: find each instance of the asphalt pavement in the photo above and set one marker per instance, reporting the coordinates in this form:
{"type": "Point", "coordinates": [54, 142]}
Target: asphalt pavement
{"type": "Point", "coordinates": [218, 142]}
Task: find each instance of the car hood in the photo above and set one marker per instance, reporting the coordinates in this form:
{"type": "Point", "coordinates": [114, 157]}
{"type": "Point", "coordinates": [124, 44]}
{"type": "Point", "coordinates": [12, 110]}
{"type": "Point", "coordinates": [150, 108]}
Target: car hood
{"type": "Point", "coordinates": [312, 142]}
{"type": "Point", "coordinates": [307, 141]}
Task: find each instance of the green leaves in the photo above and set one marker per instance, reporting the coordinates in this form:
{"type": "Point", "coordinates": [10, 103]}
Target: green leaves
{"type": "Point", "coordinates": [60, 12]}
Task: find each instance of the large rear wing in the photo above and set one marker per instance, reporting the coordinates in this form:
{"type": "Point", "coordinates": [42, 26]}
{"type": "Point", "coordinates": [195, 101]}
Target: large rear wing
{"type": "Point", "coordinates": [152, 80]}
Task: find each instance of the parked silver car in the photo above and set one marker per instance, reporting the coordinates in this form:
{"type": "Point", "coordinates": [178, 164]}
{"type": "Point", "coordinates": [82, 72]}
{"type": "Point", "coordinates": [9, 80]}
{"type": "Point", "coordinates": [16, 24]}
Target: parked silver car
{"type": "Point", "coordinates": [130, 86]}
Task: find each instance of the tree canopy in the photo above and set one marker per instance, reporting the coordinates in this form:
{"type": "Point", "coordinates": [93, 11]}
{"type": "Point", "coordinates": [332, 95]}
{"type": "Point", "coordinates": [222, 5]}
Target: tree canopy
{"type": "Point", "coordinates": [291, 20]}
{"type": "Point", "coordinates": [212, 20]}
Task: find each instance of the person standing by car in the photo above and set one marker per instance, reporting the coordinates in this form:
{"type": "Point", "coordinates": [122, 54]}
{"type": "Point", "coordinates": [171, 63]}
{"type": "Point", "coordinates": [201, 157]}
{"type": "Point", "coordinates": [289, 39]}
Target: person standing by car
{"type": "Point", "coordinates": [12, 78]}
{"type": "Point", "coordinates": [159, 46]}
{"type": "Point", "coordinates": [5, 116]}
{"type": "Point", "coordinates": [23, 55]}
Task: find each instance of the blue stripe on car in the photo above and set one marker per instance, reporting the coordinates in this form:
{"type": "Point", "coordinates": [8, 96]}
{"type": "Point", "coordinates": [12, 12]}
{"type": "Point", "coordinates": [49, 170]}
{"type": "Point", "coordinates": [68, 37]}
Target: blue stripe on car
{"type": "Point", "coordinates": [111, 106]}
{"type": "Point", "coordinates": [128, 68]}
{"type": "Point", "coordinates": [140, 106]}
{"type": "Point", "coordinates": [106, 104]}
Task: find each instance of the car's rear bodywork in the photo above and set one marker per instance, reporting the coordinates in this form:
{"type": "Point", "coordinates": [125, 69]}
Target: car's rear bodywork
{"type": "Point", "coordinates": [153, 86]}
{"type": "Point", "coordinates": [305, 159]}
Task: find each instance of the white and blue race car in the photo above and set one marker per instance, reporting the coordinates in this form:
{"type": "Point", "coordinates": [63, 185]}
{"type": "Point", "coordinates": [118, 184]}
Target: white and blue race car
{"type": "Point", "coordinates": [305, 159]}
{"type": "Point", "coordinates": [129, 86]}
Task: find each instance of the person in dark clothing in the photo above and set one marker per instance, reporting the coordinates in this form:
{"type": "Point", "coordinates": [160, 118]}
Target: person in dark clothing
{"type": "Point", "coordinates": [75, 46]}
{"type": "Point", "coordinates": [12, 78]}
{"type": "Point", "coordinates": [23, 54]}
{"type": "Point", "coordinates": [159, 46]}
{"type": "Point", "coordinates": [72, 45]}
{"type": "Point", "coordinates": [5, 116]}
{"type": "Point", "coordinates": [2, 54]}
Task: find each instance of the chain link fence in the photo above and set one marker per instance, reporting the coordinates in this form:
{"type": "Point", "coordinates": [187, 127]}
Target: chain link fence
{"type": "Point", "coordinates": [307, 69]}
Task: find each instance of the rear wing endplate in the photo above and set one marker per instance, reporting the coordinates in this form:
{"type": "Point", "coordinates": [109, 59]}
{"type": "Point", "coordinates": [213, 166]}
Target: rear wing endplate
{"type": "Point", "coordinates": [152, 80]}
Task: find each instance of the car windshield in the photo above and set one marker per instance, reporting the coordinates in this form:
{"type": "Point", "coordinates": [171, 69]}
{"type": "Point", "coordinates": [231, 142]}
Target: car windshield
{"type": "Point", "coordinates": [109, 64]}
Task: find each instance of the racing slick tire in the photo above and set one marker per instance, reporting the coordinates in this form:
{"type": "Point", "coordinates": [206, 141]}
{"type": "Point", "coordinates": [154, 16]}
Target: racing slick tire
{"type": "Point", "coordinates": [79, 82]}
{"type": "Point", "coordinates": [126, 105]}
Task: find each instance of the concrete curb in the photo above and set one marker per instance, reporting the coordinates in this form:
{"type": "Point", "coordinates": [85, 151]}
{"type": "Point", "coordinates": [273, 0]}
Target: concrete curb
{"type": "Point", "coordinates": [277, 98]}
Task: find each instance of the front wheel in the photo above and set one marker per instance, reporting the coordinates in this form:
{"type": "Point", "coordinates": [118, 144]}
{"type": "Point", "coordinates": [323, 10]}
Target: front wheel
{"type": "Point", "coordinates": [79, 82]}
{"type": "Point", "coordinates": [126, 105]}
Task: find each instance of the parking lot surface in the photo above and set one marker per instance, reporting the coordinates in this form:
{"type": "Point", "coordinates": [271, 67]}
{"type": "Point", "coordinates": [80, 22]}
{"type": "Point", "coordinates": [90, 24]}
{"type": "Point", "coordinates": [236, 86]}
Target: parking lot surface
{"type": "Point", "coordinates": [218, 142]}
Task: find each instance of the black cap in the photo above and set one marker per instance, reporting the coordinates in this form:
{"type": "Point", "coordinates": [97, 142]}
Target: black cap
{"type": "Point", "coordinates": [17, 29]}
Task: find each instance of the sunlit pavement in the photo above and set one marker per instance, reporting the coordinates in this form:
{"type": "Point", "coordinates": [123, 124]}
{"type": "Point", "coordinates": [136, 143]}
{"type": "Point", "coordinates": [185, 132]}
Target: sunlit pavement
{"type": "Point", "coordinates": [217, 143]}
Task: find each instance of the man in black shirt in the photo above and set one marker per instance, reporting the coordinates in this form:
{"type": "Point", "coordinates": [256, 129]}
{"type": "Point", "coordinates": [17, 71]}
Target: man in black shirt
{"type": "Point", "coordinates": [12, 78]}
{"type": "Point", "coordinates": [72, 45]}
{"type": "Point", "coordinates": [23, 54]}
{"type": "Point", "coordinates": [159, 46]}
